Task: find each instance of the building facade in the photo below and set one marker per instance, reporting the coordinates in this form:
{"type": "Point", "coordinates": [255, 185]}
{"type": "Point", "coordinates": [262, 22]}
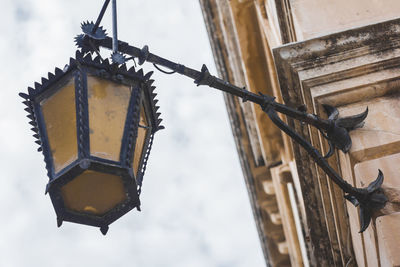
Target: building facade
{"type": "Point", "coordinates": [308, 53]}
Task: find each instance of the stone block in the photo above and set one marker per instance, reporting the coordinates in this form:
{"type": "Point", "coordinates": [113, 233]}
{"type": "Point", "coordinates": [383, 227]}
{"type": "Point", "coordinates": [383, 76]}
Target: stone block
{"type": "Point", "coordinates": [367, 171]}
{"type": "Point", "coordinates": [388, 232]}
{"type": "Point", "coordinates": [269, 187]}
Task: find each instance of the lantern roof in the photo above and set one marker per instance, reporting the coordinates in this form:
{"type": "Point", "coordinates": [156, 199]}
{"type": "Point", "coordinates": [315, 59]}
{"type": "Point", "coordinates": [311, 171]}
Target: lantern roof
{"type": "Point", "coordinates": [106, 68]}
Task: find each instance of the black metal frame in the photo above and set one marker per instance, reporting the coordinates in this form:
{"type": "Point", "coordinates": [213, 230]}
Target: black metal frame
{"type": "Point", "coordinates": [78, 70]}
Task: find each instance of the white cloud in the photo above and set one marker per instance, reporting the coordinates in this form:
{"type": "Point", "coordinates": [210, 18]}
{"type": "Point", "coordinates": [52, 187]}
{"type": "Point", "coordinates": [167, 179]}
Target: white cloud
{"type": "Point", "coordinates": [196, 210]}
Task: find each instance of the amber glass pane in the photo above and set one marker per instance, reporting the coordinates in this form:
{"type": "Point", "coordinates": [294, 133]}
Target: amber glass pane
{"type": "Point", "coordinates": [108, 107]}
{"type": "Point", "coordinates": [60, 117]}
{"type": "Point", "coordinates": [140, 141]}
{"type": "Point", "coordinates": [93, 193]}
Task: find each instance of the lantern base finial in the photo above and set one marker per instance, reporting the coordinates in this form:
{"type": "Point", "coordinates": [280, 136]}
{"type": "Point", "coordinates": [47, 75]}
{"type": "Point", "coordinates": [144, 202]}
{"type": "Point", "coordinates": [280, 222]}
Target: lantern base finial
{"type": "Point", "coordinates": [104, 229]}
{"type": "Point", "coordinates": [59, 222]}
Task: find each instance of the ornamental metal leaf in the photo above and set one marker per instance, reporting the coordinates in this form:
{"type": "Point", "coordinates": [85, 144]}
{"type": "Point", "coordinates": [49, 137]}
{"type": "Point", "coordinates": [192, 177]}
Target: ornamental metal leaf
{"type": "Point", "coordinates": [338, 133]}
{"type": "Point", "coordinates": [87, 28]}
{"type": "Point", "coordinates": [369, 200]}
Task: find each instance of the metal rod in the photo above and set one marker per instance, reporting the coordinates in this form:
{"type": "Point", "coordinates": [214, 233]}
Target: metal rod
{"type": "Point", "coordinates": [101, 15]}
{"type": "Point", "coordinates": [216, 83]}
{"type": "Point", "coordinates": [314, 153]}
{"type": "Point", "coordinates": [115, 28]}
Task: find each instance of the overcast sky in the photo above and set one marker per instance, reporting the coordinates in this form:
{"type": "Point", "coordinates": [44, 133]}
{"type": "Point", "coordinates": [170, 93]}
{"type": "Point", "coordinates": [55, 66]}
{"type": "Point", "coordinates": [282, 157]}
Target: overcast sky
{"type": "Point", "coordinates": [195, 207]}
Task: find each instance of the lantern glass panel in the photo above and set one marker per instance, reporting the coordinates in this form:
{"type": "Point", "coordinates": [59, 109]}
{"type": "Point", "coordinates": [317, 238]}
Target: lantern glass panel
{"type": "Point", "coordinates": [108, 107]}
{"type": "Point", "coordinates": [59, 112]}
{"type": "Point", "coordinates": [141, 139]}
{"type": "Point", "coordinates": [93, 193]}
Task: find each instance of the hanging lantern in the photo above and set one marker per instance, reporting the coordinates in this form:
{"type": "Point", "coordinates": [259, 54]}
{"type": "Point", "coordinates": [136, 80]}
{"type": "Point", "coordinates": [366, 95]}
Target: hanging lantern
{"type": "Point", "coordinates": [94, 122]}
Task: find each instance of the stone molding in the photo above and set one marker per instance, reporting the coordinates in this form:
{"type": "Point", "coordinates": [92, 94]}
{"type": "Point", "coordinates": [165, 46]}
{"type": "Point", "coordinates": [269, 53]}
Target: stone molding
{"type": "Point", "coordinates": [349, 70]}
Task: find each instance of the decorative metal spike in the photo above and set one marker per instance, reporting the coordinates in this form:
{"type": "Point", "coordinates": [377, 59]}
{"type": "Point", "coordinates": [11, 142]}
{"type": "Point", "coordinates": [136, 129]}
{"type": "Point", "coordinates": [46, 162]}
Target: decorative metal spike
{"type": "Point", "coordinates": [37, 136]}
{"type": "Point", "coordinates": [34, 129]}
{"type": "Point", "coordinates": [79, 40]}
{"type": "Point", "coordinates": [24, 96]}
{"type": "Point", "coordinates": [97, 60]}
{"type": "Point", "coordinates": [28, 109]}
{"type": "Point", "coordinates": [31, 91]}
{"type": "Point", "coordinates": [161, 127]}
{"type": "Point", "coordinates": [47, 189]}
{"type": "Point", "coordinates": [106, 62]}
{"type": "Point", "coordinates": [59, 222]}
{"type": "Point", "coordinates": [87, 58]}
{"type": "Point", "coordinates": [153, 95]}
{"type": "Point", "coordinates": [148, 75]}
{"type": "Point", "coordinates": [352, 122]}
{"type": "Point", "coordinates": [132, 70]}
{"type": "Point", "coordinates": [159, 121]}
{"type": "Point", "coordinates": [150, 82]}
{"type": "Point", "coordinates": [140, 72]}
{"type": "Point", "coordinates": [50, 75]}
{"type": "Point", "coordinates": [78, 54]}
{"type": "Point", "coordinates": [38, 86]}
{"type": "Point", "coordinates": [38, 142]}
{"type": "Point", "coordinates": [32, 123]}
{"type": "Point", "coordinates": [71, 63]}
{"type": "Point", "coordinates": [40, 149]}
{"type": "Point", "coordinates": [152, 88]}
{"type": "Point", "coordinates": [375, 185]}
{"type": "Point", "coordinates": [123, 68]}
{"type": "Point", "coordinates": [58, 72]}
{"type": "Point", "coordinates": [30, 116]}
{"type": "Point", "coordinates": [104, 229]}
{"type": "Point", "coordinates": [82, 44]}
{"type": "Point", "coordinates": [204, 78]}
{"type": "Point", "coordinates": [87, 28]}
{"type": "Point", "coordinates": [44, 81]}
{"type": "Point", "coordinates": [365, 218]}
{"type": "Point", "coordinates": [158, 114]}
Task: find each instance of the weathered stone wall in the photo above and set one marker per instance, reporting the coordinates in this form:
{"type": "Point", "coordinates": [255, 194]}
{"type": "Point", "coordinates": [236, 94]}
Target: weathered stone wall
{"type": "Point", "coordinates": [301, 216]}
{"type": "Point", "coordinates": [349, 70]}
{"type": "Point", "coordinates": [252, 140]}
{"type": "Point", "coordinates": [313, 18]}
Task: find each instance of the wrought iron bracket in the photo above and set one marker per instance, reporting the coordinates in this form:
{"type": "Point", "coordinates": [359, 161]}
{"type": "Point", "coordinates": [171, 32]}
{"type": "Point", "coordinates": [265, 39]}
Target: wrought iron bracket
{"type": "Point", "coordinates": [334, 129]}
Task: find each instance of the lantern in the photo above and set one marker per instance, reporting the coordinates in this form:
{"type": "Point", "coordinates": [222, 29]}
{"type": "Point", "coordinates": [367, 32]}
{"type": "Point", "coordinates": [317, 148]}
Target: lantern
{"type": "Point", "coordinates": [94, 122]}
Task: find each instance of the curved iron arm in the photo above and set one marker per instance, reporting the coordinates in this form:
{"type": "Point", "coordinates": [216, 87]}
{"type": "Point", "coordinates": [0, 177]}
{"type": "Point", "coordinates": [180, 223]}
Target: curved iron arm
{"type": "Point", "coordinates": [334, 129]}
{"type": "Point", "coordinates": [369, 199]}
